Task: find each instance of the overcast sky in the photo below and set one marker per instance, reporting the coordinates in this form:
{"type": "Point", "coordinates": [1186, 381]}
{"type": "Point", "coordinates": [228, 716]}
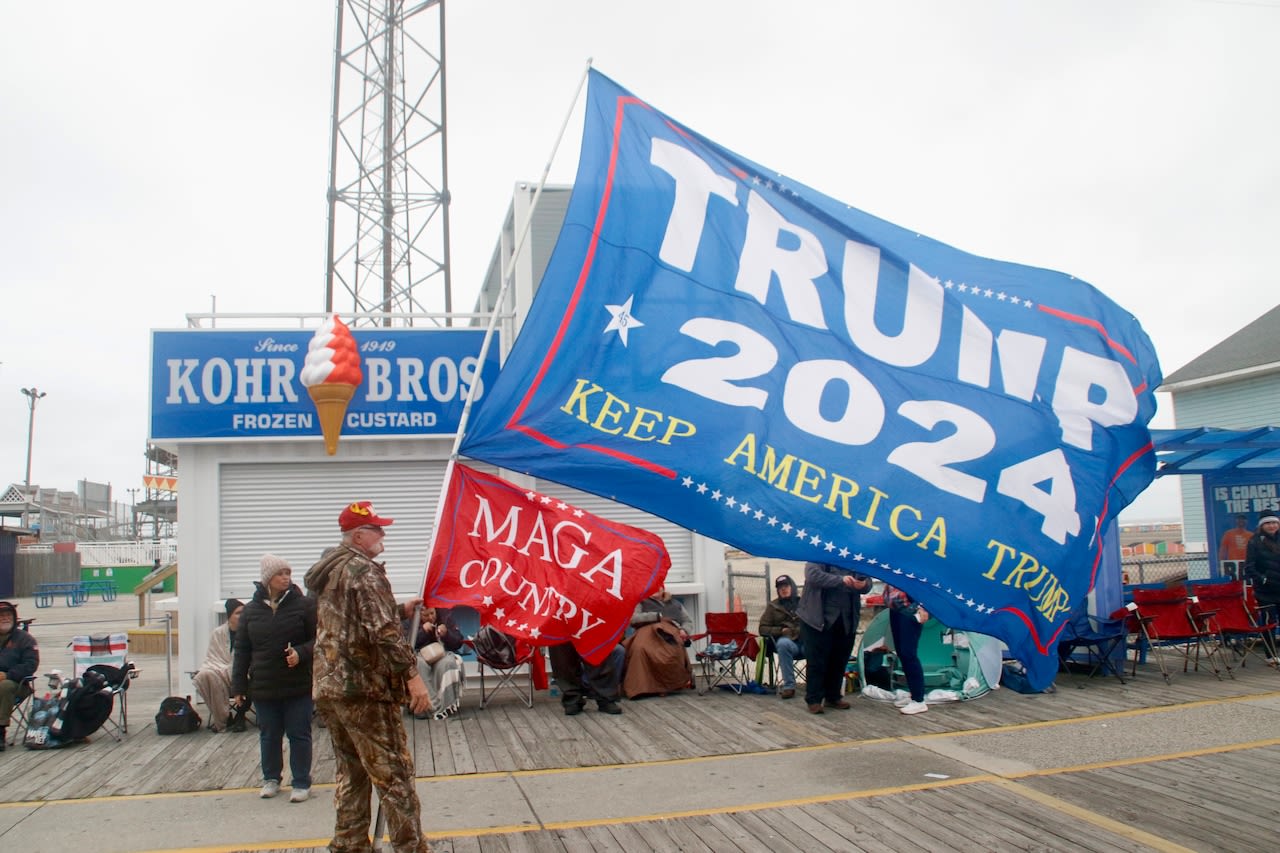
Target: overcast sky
{"type": "Point", "coordinates": [155, 154]}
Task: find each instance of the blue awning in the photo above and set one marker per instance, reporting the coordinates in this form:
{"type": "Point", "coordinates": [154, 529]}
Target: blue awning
{"type": "Point", "coordinates": [1211, 450]}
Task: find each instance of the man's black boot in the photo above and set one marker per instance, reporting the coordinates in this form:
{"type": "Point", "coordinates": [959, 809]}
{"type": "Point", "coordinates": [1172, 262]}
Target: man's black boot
{"type": "Point", "coordinates": [572, 709]}
{"type": "Point", "coordinates": [608, 706]}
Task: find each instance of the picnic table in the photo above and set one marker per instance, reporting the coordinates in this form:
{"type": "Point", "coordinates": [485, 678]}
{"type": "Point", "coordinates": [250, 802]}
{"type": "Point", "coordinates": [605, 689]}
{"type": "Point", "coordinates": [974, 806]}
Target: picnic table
{"type": "Point", "coordinates": [74, 593]}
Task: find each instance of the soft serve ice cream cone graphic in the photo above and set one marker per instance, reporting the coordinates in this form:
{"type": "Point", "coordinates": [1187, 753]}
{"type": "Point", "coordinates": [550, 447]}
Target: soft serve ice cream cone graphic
{"type": "Point", "coordinates": [331, 374]}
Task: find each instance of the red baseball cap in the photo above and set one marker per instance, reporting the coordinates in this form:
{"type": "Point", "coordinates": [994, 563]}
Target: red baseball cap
{"type": "Point", "coordinates": [361, 514]}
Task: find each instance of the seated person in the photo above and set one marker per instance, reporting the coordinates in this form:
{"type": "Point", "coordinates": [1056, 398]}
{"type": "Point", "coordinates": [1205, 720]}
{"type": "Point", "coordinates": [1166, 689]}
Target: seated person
{"type": "Point", "coordinates": [781, 626]}
{"type": "Point", "coordinates": [580, 681]}
{"type": "Point", "coordinates": [444, 678]}
{"type": "Point", "coordinates": [213, 680]}
{"type": "Point", "coordinates": [19, 660]}
{"type": "Point", "coordinates": [656, 660]}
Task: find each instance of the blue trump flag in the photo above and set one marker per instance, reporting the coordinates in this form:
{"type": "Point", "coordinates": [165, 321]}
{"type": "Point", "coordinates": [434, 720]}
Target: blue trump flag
{"type": "Point", "coordinates": [719, 345]}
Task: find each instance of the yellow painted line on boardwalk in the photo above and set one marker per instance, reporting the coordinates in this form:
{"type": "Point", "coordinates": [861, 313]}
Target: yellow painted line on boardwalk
{"type": "Point", "coordinates": [1006, 782]}
{"type": "Point", "coordinates": [1084, 815]}
{"type": "Point", "coordinates": [667, 762]}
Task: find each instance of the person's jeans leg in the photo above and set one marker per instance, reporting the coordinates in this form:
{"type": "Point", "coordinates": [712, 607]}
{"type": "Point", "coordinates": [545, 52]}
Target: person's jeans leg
{"type": "Point", "coordinates": [603, 681]}
{"type": "Point", "coordinates": [566, 668]}
{"type": "Point", "coordinates": [297, 725]}
{"type": "Point", "coordinates": [270, 737]}
{"type": "Point", "coordinates": [906, 643]}
{"type": "Point", "coordinates": [787, 651]}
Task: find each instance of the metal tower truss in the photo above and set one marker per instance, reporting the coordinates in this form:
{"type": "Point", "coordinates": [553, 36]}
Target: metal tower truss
{"type": "Point", "coordinates": [388, 241]}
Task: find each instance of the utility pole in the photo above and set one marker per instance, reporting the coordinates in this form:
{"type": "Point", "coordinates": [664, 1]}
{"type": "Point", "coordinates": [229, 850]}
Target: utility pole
{"type": "Point", "coordinates": [133, 510]}
{"type": "Point", "coordinates": [33, 396]}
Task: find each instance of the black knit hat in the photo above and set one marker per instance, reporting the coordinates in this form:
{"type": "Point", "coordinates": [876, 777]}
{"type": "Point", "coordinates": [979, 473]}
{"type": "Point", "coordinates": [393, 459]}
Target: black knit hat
{"type": "Point", "coordinates": [232, 605]}
{"type": "Point", "coordinates": [11, 607]}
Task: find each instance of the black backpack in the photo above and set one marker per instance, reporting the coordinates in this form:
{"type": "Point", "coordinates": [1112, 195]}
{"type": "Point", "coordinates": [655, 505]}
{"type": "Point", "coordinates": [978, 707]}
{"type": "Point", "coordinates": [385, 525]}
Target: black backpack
{"type": "Point", "coordinates": [177, 716]}
{"type": "Point", "coordinates": [495, 648]}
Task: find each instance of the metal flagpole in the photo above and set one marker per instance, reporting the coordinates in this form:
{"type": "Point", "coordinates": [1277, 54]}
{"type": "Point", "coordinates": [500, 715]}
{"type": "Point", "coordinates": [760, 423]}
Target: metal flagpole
{"type": "Point", "coordinates": [488, 334]}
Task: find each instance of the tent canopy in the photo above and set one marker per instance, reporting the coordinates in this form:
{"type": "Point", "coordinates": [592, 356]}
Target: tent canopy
{"type": "Point", "coordinates": [1210, 450]}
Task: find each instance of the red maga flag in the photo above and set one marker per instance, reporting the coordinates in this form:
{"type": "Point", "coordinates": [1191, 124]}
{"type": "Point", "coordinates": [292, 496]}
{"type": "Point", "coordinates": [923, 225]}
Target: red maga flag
{"type": "Point", "coordinates": [538, 568]}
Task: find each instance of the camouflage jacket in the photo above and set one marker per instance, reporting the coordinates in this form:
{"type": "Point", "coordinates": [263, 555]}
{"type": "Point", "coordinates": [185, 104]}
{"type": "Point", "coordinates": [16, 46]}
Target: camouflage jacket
{"type": "Point", "coordinates": [360, 649]}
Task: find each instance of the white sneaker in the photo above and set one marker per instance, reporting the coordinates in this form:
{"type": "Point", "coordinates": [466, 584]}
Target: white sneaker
{"type": "Point", "coordinates": [913, 708]}
{"type": "Point", "coordinates": [299, 795]}
{"type": "Point", "coordinates": [269, 789]}
{"type": "Point", "coordinates": [902, 701]}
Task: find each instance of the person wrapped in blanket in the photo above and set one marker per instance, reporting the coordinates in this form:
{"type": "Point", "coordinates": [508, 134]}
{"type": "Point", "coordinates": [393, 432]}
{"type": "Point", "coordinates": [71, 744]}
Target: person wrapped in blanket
{"type": "Point", "coordinates": [444, 678]}
{"type": "Point", "coordinates": [906, 621]}
{"type": "Point", "coordinates": [656, 661]}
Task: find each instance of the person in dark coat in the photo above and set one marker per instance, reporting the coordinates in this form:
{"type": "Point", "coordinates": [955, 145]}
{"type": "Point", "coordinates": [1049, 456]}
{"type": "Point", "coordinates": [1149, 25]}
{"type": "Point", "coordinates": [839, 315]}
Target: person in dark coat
{"type": "Point", "coordinates": [19, 659]}
{"type": "Point", "coordinates": [829, 609]}
{"type": "Point", "coordinates": [1262, 562]}
{"type": "Point", "coordinates": [272, 666]}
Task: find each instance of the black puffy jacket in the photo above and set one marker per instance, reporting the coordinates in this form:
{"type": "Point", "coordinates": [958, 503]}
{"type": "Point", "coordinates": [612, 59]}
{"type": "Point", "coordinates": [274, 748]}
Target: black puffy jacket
{"type": "Point", "coordinates": [259, 669]}
{"type": "Point", "coordinates": [1262, 566]}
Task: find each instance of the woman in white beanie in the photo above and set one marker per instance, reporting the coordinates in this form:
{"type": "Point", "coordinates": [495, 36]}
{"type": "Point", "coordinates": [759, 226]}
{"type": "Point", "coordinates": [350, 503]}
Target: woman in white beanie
{"type": "Point", "coordinates": [272, 667]}
{"type": "Point", "coordinates": [1262, 563]}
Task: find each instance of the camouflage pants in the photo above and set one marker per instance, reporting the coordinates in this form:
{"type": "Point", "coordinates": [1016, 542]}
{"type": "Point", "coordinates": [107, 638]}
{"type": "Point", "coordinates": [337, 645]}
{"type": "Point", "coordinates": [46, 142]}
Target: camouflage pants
{"type": "Point", "coordinates": [371, 751]}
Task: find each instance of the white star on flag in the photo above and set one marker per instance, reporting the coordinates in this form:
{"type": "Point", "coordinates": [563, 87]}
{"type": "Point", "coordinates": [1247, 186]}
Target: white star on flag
{"type": "Point", "coordinates": [622, 321]}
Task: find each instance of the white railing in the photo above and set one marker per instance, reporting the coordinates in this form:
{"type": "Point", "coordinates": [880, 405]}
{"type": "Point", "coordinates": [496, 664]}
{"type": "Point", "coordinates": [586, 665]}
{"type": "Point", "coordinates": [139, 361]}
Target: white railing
{"type": "Point", "coordinates": [102, 554]}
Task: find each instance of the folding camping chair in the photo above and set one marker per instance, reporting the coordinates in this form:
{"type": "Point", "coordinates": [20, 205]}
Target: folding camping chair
{"type": "Point", "coordinates": [1165, 619]}
{"type": "Point", "coordinates": [107, 654]}
{"type": "Point", "coordinates": [508, 660]}
{"type": "Point", "coordinates": [1238, 625]}
{"type": "Point", "coordinates": [766, 660]}
{"type": "Point", "coordinates": [1099, 638]}
{"type": "Point", "coordinates": [20, 720]}
{"type": "Point", "coordinates": [730, 652]}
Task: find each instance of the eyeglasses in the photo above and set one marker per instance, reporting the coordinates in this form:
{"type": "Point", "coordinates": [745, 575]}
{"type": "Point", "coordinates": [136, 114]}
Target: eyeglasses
{"type": "Point", "coordinates": [374, 529]}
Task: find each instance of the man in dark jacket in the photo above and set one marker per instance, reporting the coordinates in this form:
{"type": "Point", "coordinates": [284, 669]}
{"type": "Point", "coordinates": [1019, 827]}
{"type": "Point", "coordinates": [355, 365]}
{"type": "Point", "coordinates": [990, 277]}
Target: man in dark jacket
{"type": "Point", "coordinates": [19, 660]}
{"type": "Point", "coordinates": [780, 623]}
{"type": "Point", "coordinates": [829, 610]}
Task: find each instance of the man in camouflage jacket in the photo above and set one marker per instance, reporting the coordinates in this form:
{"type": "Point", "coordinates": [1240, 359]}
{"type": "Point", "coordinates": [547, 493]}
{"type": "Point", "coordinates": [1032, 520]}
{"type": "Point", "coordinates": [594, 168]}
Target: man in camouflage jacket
{"type": "Point", "coordinates": [363, 673]}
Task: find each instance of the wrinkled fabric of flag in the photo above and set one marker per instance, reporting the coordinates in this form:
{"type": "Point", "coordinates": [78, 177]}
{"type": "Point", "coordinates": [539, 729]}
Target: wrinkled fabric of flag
{"type": "Point", "coordinates": [538, 568]}
{"type": "Point", "coordinates": [722, 346]}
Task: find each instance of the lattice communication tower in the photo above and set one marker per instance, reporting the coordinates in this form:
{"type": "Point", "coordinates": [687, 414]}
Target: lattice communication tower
{"type": "Point", "coordinates": [388, 241]}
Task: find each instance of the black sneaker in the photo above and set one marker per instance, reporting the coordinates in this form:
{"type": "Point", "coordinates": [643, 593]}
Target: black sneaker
{"type": "Point", "coordinates": [237, 725]}
{"type": "Point", "coordinates": [607, 706]}
{"type": "Point", "coordinates": [574, 709]}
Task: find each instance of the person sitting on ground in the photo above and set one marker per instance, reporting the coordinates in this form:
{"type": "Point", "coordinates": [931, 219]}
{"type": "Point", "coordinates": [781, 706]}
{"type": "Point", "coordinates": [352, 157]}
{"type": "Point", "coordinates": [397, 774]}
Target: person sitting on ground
{"type": "Point", "coordinates": [656, 660]}
{"type": "Point", "coordinates": [906, 619]}
{"type": "Point", "coordinates": [444, 677]}
{"type": "Point", "coordinates": [213, 680]}
{"type": "Point", "coordinates": [19, 660]}
{"type": "Point", "coordinates": [579, 681]}
{"type": "Point", "coordinates": [780, 624]}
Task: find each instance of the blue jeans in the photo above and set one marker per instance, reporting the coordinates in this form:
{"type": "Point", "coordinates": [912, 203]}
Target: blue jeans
{"type": "Point", "coordinates": [277, 718]}
{"type": "Point", "coordinates": [906, 642]}
{"type": "Point", "coordinates": [789, 652]}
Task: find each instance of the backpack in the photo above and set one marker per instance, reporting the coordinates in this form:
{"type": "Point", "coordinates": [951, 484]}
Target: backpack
{"type": "Point", "coordinates": [495, 648]}
{"type": "Point", "coordinates": [177, 716]}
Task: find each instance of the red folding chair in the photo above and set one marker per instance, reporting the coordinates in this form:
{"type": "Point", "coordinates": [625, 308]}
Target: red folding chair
{"type": "Point", "coordinates": [1168, 619]}
{"type": "Point", "coordinates": [1237, 620]}
{"type": "Point", "coordinates": [729, 652]}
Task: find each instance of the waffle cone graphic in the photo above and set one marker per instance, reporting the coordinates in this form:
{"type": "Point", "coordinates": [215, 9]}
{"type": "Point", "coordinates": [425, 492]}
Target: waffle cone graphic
{"type": "Point", "coordinates": [331, 399]}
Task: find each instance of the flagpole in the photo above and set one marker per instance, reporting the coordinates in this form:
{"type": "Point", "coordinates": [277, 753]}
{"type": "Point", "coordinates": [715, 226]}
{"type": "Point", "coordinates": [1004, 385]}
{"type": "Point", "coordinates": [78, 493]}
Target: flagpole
{"type": "Point", "coordinates": [493, 322]}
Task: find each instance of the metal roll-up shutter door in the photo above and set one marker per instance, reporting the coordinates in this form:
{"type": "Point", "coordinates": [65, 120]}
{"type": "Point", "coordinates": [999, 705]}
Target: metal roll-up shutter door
{"type": "Point", "coordinates": [291, 509]}
{"type": "Point", "coordinates": [679, 540]}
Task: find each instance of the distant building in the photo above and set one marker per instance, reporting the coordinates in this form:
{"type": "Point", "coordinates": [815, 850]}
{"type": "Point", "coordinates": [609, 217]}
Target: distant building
{"type": "Point", "coordinates": [1234, 385]}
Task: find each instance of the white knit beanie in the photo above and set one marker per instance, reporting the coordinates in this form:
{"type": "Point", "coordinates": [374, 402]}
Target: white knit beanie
{"type": "Point", "coordinates": [272, 566]}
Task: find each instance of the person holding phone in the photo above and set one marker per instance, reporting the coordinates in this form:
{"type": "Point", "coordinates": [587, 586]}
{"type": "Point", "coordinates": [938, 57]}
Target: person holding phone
{"type": "Point", "coordinates": [272, 666]}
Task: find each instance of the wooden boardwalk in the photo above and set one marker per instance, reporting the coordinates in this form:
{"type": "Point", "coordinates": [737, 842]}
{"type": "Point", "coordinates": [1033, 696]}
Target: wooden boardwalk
{"type": "Point", "coordinates": [1217, 797]}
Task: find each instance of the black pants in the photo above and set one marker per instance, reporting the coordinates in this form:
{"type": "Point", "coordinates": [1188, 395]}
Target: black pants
{"type": "Point", "coordinates": [580, 681]}
{"type": "Point", "coordinates": [828, 653]}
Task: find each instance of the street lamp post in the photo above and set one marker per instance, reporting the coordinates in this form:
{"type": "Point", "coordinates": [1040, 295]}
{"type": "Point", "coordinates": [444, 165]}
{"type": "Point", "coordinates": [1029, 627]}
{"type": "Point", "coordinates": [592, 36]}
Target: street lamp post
{"type": "Point", "coordinates": [33, 396]}
{"type": "Point", "coordinates": [133, 509]}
